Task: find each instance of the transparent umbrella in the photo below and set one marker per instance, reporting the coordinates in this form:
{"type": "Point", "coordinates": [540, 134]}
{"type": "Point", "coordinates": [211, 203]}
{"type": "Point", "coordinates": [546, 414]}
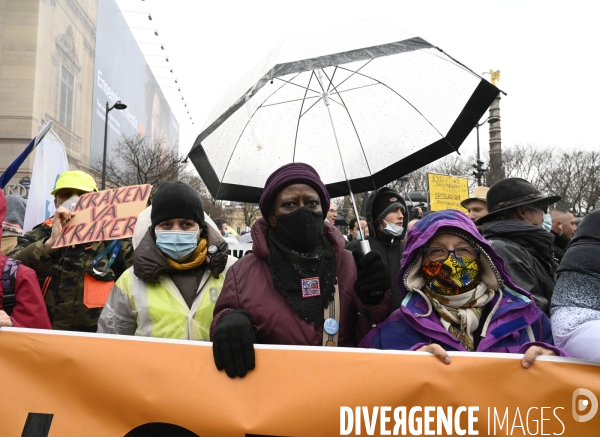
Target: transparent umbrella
{"type": "Point", "coordinates": [364, 105]}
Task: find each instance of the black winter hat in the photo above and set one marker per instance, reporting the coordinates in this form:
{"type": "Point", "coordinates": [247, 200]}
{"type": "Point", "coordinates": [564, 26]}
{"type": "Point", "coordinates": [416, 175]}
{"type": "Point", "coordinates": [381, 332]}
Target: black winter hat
{"type": "Point", "coordinates": [176, 200]}
{"type": "Point", "coordinates": [386, 201]}
{"type": "Point", "coordinates": [510, 193]}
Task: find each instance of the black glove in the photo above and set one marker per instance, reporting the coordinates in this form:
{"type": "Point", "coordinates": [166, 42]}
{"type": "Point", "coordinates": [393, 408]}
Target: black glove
{"type": "Point", "coordinates": [373, 277]}
{"type": "Point", "coordinates": [233, 343]}
{"type": "Point", "coordinates": [217, 263]}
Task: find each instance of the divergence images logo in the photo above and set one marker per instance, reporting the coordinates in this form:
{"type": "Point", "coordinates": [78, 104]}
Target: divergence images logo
{"type": "Point", "coordinates": [580, 405]}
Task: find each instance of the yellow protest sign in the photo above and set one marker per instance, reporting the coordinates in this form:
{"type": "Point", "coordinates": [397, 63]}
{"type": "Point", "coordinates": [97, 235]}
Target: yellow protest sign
{"type": "Point", "coordinates": [99, 385]}
{"type": "Point", "coordinates": [446, 192]}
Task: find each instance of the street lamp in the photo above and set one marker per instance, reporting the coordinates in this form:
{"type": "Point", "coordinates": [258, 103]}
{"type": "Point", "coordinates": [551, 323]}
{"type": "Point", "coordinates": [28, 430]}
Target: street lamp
{"type": "Point", "coordinates": [120, 106]}
{"type": "Point", "coordinates": [479, 167]}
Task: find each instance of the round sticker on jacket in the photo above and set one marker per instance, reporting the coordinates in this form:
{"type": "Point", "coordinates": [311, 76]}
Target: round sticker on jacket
{"type": "Point", "coordinates": [331, 326]}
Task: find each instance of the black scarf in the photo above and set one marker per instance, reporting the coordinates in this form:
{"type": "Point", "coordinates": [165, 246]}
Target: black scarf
{"type": "Point", "coordinates": [289, 267]}
{"type": "Point", "coordinates": [531, 235]}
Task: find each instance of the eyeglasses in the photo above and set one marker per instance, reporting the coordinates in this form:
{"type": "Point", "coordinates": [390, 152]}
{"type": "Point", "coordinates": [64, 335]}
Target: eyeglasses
{"type": "Point", "coordinates": [532, 207]}
{"type": "Point", "coordinates": [441, 254]}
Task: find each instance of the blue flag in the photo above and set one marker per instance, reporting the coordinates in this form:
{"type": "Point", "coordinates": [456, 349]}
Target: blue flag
{"type": "Point", "coordinates": [11, 170]}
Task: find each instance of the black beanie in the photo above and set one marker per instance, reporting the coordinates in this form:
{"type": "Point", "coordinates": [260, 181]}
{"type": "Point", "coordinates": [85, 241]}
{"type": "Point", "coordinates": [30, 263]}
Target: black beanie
{"type": "Point", "coordinates": [176, 200]}
{"type": "Point", "coordinates": [385, 202]}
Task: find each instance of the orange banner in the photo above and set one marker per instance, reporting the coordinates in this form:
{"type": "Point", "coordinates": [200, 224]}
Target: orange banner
{"type": "Point", "coordinates": [66, 384]}
{"type": "Point", "coordinates": [105, 215]}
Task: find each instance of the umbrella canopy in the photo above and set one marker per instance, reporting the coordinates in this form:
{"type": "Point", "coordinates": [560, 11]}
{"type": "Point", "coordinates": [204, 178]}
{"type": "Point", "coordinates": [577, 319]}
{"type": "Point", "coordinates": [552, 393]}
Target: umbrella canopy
{"type": "Point", "coordinates": [396, 101]}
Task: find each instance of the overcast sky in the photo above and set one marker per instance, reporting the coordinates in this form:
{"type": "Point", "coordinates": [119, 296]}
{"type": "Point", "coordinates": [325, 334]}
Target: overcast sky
{"type": "Point", "coordinates": [546, 51]}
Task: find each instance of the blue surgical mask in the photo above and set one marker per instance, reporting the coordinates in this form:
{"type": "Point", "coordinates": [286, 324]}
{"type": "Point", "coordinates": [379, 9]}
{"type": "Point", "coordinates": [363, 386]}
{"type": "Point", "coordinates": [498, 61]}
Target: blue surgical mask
{"type": "Point", "coordinates": [177, 244]}
{"type": "Point", "coordinates": [227, 234]}
{"type": "Point", "coordinates": [392, 229]}
{"type": "Point", "coordinates": [547, 223]}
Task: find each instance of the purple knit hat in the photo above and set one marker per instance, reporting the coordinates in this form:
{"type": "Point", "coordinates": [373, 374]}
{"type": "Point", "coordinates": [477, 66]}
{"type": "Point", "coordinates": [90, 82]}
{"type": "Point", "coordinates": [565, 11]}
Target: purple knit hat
{"type": "Point", "coordinates": [289, 174]}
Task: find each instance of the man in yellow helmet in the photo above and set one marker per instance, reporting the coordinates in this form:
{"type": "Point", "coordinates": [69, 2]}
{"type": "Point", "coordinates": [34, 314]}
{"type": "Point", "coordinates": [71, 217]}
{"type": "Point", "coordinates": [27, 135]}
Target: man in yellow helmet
{"type": "Point", "coordinates": [75, 280]}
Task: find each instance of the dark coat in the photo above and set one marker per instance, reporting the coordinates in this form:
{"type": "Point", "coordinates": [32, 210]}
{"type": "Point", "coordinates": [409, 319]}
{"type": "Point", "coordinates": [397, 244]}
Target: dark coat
{"type": "Point", "coordinates": [390, 248]}
{"type": "Point", "coordinates": [249, 286]}
{"type": "Point", "coordinates": [559, 247]}
{"type": "Point", "coordinates": [525, 249]}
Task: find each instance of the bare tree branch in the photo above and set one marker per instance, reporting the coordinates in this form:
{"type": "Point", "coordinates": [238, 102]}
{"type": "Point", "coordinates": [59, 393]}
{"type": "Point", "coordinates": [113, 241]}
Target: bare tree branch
{"type": "Point", "coordinates": [572, 174]}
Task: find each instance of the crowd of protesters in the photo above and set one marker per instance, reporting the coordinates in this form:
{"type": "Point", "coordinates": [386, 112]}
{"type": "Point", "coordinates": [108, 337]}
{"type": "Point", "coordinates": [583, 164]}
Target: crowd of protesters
{"type": "Point", "coordinates": [512, 275]}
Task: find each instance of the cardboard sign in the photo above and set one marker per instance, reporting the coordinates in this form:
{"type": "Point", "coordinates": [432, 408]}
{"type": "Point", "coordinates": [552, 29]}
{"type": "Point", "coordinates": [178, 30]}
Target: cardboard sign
{"type": "Point", "coordinates": [446, 192]}
{"type": "Point", "coordinates": [100, 385]}
{"type": "Point", "coordinates": [105, 215]}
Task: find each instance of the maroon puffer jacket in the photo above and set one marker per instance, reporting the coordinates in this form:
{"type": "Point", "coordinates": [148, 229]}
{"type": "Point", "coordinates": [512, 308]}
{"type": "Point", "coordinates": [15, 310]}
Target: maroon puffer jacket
{"type": "Point", "coordinates": [249, 286]}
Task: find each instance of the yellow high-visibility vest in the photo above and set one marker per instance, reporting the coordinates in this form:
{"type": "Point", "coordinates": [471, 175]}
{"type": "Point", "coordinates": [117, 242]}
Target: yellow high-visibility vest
{"type": "Point", "coordinates": [162, 312]}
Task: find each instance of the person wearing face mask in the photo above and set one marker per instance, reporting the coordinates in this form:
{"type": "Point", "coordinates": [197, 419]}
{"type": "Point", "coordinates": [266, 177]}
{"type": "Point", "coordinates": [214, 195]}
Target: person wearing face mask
{"type": "Point", "coordinates": [178, 272]}
{"type": "Point", "coordinates": [299, 286]}
{"type": "Point", "coordinates": [353, 226]}
{"type": "Point", "coordinates": [74, 280]}
{"type": "Point", "coordinates": [387, 222]}
{"type": "Point", "coordinates": [12, 225]}
{"type": "Point", "coordinates": [223, 229]}
{"type": "Point", "coordinates": [513, 226]}
{"type": "Point", "coordinates": [457, 296]}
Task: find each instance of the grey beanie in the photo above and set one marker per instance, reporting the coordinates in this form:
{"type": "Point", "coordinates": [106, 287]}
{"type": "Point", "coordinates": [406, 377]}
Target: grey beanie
{"type": "Point", "coordinates": [15, 210]}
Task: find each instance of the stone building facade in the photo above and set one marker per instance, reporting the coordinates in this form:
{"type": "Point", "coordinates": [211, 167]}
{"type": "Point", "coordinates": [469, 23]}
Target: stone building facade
{"type": "Point", "coordinates": [47, 55]}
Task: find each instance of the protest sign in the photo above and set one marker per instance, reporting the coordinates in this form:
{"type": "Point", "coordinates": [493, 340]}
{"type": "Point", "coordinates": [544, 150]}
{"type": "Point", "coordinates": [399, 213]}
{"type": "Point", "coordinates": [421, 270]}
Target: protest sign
{"type": "Point", "coordinates": [446, 192]}
{"type": "Point", "coordinates": [105, 215]}
{"type": "Point", "coordinates": [101, 385]}
{"type": "Point", "coordinates": [239, 249]}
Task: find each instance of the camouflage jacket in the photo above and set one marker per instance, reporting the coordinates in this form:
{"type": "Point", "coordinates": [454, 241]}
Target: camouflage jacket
{"type": "Point", "coordinates": [62, 275]}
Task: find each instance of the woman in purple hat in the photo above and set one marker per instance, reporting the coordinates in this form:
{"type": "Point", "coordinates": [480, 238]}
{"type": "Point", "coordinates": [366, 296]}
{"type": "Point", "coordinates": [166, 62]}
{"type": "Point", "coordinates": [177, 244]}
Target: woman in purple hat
{"type": "Point", "coordinates": [299, 286]}
{"type": "Point", "coordinates": [457, 296]}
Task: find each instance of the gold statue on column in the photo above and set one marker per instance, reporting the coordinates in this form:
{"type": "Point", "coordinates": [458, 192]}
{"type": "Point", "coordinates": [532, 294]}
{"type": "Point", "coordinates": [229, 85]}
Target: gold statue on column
{"type": "Point", "coordinates": [494, 76]}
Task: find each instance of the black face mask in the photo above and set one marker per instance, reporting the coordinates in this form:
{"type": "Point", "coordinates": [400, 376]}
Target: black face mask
{"type": "Point", "coordinates": [300, 230]}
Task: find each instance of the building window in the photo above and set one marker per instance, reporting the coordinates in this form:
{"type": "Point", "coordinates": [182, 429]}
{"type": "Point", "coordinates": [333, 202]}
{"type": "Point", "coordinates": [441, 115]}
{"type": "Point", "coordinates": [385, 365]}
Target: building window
{"type": "Point", "coordinates": [66, 99]}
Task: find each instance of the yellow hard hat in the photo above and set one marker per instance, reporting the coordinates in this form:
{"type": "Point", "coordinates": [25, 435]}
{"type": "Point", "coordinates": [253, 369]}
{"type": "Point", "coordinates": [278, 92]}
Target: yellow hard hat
{"type": "Point", "coordinates": [77, 180]}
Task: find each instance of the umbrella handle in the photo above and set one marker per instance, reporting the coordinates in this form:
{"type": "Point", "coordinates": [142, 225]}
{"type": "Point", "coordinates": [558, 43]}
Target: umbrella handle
{"type": "Point", "coordinates": [365, 247]}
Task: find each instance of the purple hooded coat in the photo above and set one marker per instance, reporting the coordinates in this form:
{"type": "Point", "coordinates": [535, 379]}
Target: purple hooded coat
{"type": "Point", "coordinates": [510, 327]}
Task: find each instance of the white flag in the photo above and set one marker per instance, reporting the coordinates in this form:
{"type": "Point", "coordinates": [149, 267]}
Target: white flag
{"type": "Point", "coordinates": [50, 161]}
